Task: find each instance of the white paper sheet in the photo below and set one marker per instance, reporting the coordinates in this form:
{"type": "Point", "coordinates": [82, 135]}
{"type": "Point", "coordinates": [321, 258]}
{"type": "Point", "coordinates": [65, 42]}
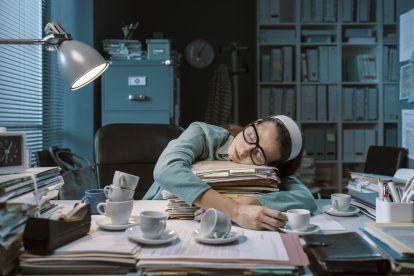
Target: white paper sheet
{"type": "Point", "coordinates": [406, 35]}
{"type": "Point", "coordinates": [406, 80]}
{"type": "Point", "coordinates": [407, 122]}
{"type": "Point", "coordinates": [326, 223]}
{"type": "Point", "coordinates": [256, 245]}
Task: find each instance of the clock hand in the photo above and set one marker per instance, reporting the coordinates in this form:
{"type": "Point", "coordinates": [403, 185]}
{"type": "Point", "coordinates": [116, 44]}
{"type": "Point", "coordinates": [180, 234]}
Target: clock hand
{"type": "Point", "coordinates": [201, 50]}
{"type": "Point", "coordinates": [11, 143]}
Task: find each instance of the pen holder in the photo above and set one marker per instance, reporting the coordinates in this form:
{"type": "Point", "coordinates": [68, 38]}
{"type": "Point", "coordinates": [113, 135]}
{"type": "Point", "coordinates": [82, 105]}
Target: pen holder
{"type": "Point", "coordinates": [387, 212]}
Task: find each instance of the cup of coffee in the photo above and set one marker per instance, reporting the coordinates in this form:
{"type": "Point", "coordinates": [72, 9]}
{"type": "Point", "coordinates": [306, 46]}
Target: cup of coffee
{"type": "Point", "coordinates": [298, 219]}
{"type": "Point", "coordinates": [118, 212]}
{"type": "Point", "coordinates": [214, 224]}
{"type": "Point", "coordinates": [93, 197]}
{"type": "Point", "coordinates": [341, 202]}
{"type": "Point", "coordinates": [153, 224]}
{"type": "Point", "coordinates": [125, 180]}
{"type": "Point", "coordinates": [115, 193]}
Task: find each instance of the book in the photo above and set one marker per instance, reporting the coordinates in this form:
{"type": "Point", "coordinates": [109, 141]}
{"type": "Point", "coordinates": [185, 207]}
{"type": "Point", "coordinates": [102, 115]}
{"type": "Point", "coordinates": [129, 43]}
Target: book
{"type": "Point", "coordinates": [345, 253]}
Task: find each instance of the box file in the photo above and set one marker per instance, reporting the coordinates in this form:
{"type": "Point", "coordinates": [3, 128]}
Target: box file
{"type": "Point", "coordinates": [265, 102]}
{"type": "Point", "coordinates": [348, 145]}
{"type": "Point", "coordinates": [289, 102]}
{"type": "Point", "coordinates": [333, 64]}
{"type": "Point", "coordinates": [322, 104]}
{"type": "Point", "coordinates": [319, 140]}
{"type": "Point", "coordinates": [389, 11]}
{"type": "Point", "coordinates": [317, 10]}
{"type": "Point", "coordinates": [347, 10]}
{"type": "Point", "coordinates": [330, 144]}
{"type": "Point", "coordinates": [276, 64]}
{"type": "Point", "coordinates": [264, 14]}
{"type": "Point", "coordinates": [265, 60]}
{"type": "Point", "coordinates": [359, 145]}
{"type": "Point", "coordinates": [274, 11]}
{"type": "Point", "coordinates": [287, 64]}
{"type": "Point", "coordinates": [333, 103]}
{"type": "Point", "coordinates": [323, 64]}
{"type": "Point", "coordinates": [309, 143]}
{"type": "Point", "coordinates": [391, 100]}
{"type": "Point", "coordinates": [391, 137]}
{"type": "Point", "coordinates": [308, 107]}
{"type": "Point", "coordinates": [359, 98]}
{"type": "Point", "coordinates": [372, 104]}
{"type": "Point", "coordinates": [277, 100]}
{"type": "Point", "coordinates": [347, 103]}
{"type": "Point", "coordinates": [312, 62]}
{"type": "Point", "coordinates": [330, 11]}
{"type": "Point", "coordinates": [370, 138]}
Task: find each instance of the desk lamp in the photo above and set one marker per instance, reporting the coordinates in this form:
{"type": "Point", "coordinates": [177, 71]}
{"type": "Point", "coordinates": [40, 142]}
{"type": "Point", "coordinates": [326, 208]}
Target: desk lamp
{"type": "Point", "coordinates": [79, 63]}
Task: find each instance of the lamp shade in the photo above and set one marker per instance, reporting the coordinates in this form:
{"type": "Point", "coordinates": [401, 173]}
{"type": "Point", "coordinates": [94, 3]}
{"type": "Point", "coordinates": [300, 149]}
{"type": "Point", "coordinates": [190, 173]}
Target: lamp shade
{"type": "Point", "coordinates": [79, 63]}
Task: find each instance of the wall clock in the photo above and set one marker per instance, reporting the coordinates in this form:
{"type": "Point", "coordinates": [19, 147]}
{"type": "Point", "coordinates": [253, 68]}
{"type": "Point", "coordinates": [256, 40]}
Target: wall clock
{"type": "Point", "coordinates": [13, 152]}
{"type": "Point", "coordinates": [199, 53]}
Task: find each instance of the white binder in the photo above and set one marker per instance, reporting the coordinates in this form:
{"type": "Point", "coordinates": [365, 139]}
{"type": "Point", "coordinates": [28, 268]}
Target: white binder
{"type": "Point", "coordinates": [348, 144]}
{"type": "Point", "coordinates": [322, 103]}
{"type": "Point", "coordinates": [333, 103]}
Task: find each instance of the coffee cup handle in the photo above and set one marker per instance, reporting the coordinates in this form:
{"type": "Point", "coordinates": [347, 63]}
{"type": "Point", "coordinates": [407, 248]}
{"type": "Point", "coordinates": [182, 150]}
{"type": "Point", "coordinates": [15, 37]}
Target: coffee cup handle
{"type": "Point", "coordinates": [98, 208]}
{"type": "Point", "coordinates": [122, 181]}
{"type": "Point", "coordinates": [223, 236]}
{"type": "Point", "coordinates": [335, 204]}
{"type": "Point", "coordinates": [85, 199]}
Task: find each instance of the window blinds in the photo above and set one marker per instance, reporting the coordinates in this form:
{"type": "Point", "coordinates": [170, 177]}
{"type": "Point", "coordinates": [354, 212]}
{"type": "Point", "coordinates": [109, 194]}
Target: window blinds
{"type": "Point", "coordinates": [30, 85]}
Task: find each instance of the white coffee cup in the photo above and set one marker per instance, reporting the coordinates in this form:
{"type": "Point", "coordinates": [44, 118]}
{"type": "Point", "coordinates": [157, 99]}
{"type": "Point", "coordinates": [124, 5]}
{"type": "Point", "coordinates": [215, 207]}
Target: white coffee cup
{"type": "Point", "coordinates": [298, 219]}
{"type": "Point", "coordinates": [153, 224]}
{"type": "Point", "coordinates": [115, 193]}
{"type": "Point", "coordinates": [214, 224]}
{"type": "Point", "coordinates": [341, 202]}
{"type": "Point", "coordinates": [125, 180]}
{"type": "Point", "coordinates": [118, 212]}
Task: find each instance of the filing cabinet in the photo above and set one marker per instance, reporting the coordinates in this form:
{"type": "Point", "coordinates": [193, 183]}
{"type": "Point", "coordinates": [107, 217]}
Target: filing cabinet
{"type": "Point", "coordinates": [138, 91]}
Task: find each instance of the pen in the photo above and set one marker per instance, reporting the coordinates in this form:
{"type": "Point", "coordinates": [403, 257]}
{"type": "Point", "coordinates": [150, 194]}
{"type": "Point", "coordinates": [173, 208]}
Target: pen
{"type": "Point", "coordinates": [394, 192]}
{"type": "Point", "coordinates": [380, 190]}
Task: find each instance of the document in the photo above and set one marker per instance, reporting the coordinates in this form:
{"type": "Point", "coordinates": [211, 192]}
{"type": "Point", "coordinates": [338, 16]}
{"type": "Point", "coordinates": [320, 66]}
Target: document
{"type": "Point", "coordinates": [326, 223]}
{"type": "Point", "coordinates": [406, 35]}
{"type": "Point", "coordinates": [255, 245]}
{"type": "Point", "coordinates": [406, 80]}
{"type": "Point", "coordinates": [407, 122]}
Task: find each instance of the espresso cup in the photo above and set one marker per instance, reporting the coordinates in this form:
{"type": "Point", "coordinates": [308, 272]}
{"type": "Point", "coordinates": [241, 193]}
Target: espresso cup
{"type": "Point", "coordinates": [125, 180]}
{"type": "Point", "coordinates": [298, 219]}
{"type": "Point", "coordinates": [115, 193]}
{"type": "Point", "coordinates": [214, 224]}
{"type": "Point", "coordinates": [153, 224]}
{"type": "Point", "coordinates": [118, 212]}
{"type": "Point", "coordinates": [93, 197]}
{"type": "Point", "coordinates": [340, 202]}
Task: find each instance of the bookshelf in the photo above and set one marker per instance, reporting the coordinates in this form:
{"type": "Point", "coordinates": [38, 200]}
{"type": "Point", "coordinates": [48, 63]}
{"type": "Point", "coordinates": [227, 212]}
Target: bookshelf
{"type": "Point", "coordinates": [333, 66]}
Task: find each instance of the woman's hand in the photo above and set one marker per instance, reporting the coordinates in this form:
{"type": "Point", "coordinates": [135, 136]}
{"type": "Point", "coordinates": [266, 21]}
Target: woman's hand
{"type": "Point", "coordinates": [258, 217]}
{"type": "Point", "coordinates": [247, 200]}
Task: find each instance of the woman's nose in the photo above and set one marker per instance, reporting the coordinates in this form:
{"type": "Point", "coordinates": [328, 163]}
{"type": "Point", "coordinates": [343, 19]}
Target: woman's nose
{"type": "Point", "coordinates": [245, 150]}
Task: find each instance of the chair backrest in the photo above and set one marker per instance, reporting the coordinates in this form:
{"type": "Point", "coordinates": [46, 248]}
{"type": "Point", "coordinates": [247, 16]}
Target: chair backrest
{"type": "Point", "coordinates": [385, 160]}
{"type": "Point", "coordinates": [131, 148]}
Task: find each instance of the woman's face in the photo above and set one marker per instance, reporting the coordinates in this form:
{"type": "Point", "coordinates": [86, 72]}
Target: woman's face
{"type": "Point", "coordinates": [239, 150]}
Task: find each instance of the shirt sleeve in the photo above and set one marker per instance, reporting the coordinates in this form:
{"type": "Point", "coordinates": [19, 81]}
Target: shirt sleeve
{"type": "Point", "coordinates": [293, 194]}
{"type": "Point", "coordinates": [173, 168]}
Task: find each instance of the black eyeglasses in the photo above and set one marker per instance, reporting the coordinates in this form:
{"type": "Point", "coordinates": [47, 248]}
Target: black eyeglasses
{"type": "Point", "coordinates": [251, 137]}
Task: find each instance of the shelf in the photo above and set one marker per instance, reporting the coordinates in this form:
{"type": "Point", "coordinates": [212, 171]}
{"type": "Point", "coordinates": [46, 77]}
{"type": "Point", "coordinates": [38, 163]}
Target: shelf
{"type": "Point", "coordinates": [390, 82]}
{"type": "Point", "coordinates": [318, 24]}
{"type": "Point", "coordinates": [318, 44]}
{"type": "Point", "coordinates": [333, 162]}
{"type": "Point", "coordinates": [282, 24]}
{"type": "Point", "coordinates": [350, 44]}
{"type": "Point", "coordinates": [390, 121]}
{"type": "Point", "coordinates": [358, 83]}
{"type": "Point", "coordinates": [278, 83]}
{"type": "Point", "coordinates": [317, 83]}
{"type": "Point", "coordinates": [365, 24]}
{"type": "Point", "coordinates": [269, 44]}
{"type": "Point", "coordinates": [359, 122]}
{"type": "Point", "coordinates": [317, 122]}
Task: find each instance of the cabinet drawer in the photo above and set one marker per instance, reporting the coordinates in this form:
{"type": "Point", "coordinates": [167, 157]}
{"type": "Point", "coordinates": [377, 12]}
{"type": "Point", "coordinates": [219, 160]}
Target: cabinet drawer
{"type": "Point", "coordinates": [131, 88]}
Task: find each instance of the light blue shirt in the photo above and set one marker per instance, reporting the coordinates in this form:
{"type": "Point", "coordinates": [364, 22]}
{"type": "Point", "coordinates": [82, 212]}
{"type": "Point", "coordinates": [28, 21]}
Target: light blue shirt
{"type": "Point", "coordinates": [201, 141]}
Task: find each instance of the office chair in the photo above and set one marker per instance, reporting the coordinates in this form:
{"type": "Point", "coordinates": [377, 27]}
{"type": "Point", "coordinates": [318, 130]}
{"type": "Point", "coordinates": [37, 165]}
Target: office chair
{"type": "Point", "coordinates": [131, 148]}
{"type": "Point", "coordinates": [385, 160]}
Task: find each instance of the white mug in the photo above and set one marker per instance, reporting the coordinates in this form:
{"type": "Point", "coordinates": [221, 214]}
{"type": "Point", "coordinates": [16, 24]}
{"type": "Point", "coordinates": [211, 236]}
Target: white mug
{"type": "Point", "coordinates": [298, 219]}
{"type": "Point", "coordinates": [118, 212]}
{"type": "Point", "coordinates": [214, 224]}
{"type": "Point", "coordinates": [153, 224]}
{"type": "Point", "coordinates": [115, 193]}
{"type": "Point", "coordinates": [341, 202]}
{"type": "Point", "coordinates": [125, 180]}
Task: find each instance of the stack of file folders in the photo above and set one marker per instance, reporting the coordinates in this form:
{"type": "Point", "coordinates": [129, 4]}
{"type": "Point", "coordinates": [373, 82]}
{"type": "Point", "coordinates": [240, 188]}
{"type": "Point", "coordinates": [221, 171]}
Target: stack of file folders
{"type": "Point", "coordinates": [262, 253]}
{"type": "Point", "coordinates": [228, 178]}
{"type": "Point", "coordinates": [12, 220]}
{"type": "Point", "coordinates": [396, 240]}
{"type": "Point", "coordinates": [123, 49]}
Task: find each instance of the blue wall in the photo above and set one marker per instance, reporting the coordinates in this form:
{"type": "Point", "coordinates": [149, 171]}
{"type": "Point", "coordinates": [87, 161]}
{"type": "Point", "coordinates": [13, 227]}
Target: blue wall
{"type": "Point", "coordinates": [76, 17]}
{"type": "Point", "coordinates": [402, 7]}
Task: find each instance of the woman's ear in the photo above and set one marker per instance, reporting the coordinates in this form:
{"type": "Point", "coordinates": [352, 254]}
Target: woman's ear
{"type": "Point", "coordinates": [288, 168]}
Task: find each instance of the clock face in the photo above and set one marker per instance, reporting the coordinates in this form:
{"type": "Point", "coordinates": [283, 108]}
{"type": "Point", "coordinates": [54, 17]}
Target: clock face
{"type": "Point", "coordinates": [199, 53]}
{"type": "Point", "coordinates": [10, 151]}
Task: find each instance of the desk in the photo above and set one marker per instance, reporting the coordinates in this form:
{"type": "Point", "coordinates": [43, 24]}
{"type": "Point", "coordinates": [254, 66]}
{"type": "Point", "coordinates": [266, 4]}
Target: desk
{"type": "Point", "coordinates": [120, 239]}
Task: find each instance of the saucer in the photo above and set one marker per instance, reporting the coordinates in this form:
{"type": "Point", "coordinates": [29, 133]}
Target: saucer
{"type": "Point", "coordinates": [105, 223]}
{"type": "Point", "coordinates": [352, 210]}
{"type": "Point", "coordinates": [135, 234]}
{"type": "Point", "coordinates": [232, 236]}
{"type": "Point", "coordinates": [312, 228]}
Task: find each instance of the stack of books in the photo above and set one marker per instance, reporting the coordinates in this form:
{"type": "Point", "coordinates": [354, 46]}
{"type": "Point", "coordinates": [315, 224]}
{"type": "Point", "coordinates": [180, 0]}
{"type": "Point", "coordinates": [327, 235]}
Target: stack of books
{"type": "Point", "coordinates": [123, 49]}
{"type": "Point", "coordinates": [306, 171]}
{"type": "Point", "coordinates": [228, 178]}
{"type": "Point", "coordinates": [396, 241]}
{"type": "Point", "coordinates": [360, 68]}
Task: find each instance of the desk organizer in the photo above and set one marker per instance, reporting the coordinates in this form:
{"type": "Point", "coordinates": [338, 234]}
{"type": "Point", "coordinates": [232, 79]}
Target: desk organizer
{"type": "Point", "coordinates": [41, 236]}
{"type": "Point", "coordinates": [394, 211]}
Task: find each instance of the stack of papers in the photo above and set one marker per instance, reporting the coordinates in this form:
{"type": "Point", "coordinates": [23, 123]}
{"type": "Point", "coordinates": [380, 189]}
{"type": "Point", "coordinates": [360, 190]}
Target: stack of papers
{"type": "Point", "coordinates": [368, 182]}
{"type": "Point", "coordinates": [228, 178]}
{"type": "Point", "coordinates": [99, 252]}
{"type": "Point", "coordinates": [122, 48]}
{"type": "Point", "coordinates": [256, 251]}
{"type": "Point", "coordinates": [396, 241]}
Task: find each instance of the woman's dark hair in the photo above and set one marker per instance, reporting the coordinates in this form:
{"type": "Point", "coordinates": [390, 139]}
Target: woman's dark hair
{"type": "Point", "coordinates": [285, 168]}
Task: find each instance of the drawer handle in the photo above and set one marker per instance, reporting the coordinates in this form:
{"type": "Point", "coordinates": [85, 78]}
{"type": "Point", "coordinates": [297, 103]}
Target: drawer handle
{"type": "Point", "coordinates": [139, 98]}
